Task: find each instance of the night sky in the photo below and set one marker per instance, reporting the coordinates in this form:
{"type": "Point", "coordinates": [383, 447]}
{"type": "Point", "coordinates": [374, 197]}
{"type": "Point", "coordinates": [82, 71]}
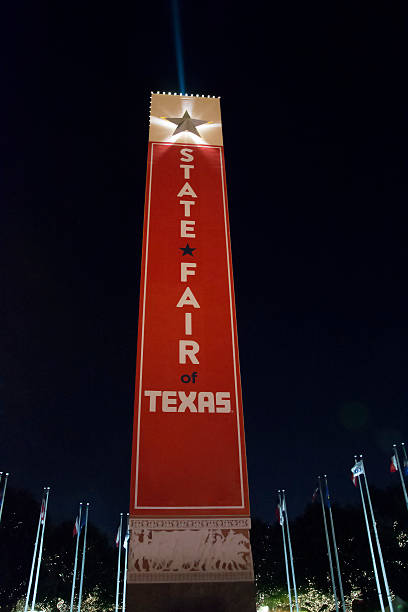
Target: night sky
{"type": "Point", "coordinates": [314, 107]}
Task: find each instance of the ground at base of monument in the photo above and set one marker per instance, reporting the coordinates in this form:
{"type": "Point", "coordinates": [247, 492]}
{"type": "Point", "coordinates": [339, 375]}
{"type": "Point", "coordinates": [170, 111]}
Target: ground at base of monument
{"type": "Point", "coordinates": [191, 597]}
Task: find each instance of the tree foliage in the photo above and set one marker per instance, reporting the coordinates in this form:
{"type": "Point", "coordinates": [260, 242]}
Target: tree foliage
{"type": "Point", "coordinates": [310, 552]}
{"type": "Point", "coordinates": [17, 537]}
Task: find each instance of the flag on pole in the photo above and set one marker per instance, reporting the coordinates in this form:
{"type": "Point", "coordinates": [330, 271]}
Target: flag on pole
{"type": "Point", "coordinates": [42, 514]}
{"type": "Point", "coordinates": [117, 537]}
{"type": "Point", "coordinates": [279, 514]}
{"type": "Point", "coordinates": [78, 525]}
{"type": "Point", "coordinates": [125, 541]}
{"type": "Point", "coordinates": [394, 464]}
{"type": "Point", "coordinates": [356, 471]}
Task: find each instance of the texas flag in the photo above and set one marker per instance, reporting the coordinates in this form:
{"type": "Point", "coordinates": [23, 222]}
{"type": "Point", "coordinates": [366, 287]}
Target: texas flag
{"type": "Point", "coordinates": [356, 471]}
{"type": "Point", "coordinates": [394, 464]}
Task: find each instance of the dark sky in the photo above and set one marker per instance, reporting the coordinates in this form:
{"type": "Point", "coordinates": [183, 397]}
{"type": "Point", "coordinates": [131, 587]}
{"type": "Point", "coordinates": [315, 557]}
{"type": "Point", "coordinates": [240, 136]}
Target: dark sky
{"type": "Point", "coordinates": [314, 105]}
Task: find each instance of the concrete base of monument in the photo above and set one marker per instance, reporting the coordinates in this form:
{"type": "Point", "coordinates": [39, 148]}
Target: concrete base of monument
{"type": "Point", "coordinates": [190, 565]}
{"type": "Point", "coordinates": [193, 597]}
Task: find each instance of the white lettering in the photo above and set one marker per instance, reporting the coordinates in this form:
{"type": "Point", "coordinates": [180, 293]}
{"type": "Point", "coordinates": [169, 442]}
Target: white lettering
{"type": "Point", "coordinates": [152, 395]}
{"type": "Point", "coordinates": [188, 299]}
{"type": "Point", "coordinates": [187, 324]}
{"type": "Point", "coordinates": [187, 229]}
{"type": "Point", "coordinates": [206, 400]}
{"type": "Point", "coordinates": [169, 401]}
{"type": "Point", "coordinates": [179, 401]}
{"type": "Point", "coordinates": [186, 170]}
{"type": "Point", "coordinates": [186, 155]}
{"type": "Point", "coordinates": [187, 401]}
{"type": "Point", "coordinates": [223, 401]}
{"type": "Point", "coordinates": [187, 190]}
{"type": "Point", "coordinates": [186, 271]}
{"type": "Point", "coordinates": [187, 204]}
{"type": "Point", "coordinates": [188, 348]}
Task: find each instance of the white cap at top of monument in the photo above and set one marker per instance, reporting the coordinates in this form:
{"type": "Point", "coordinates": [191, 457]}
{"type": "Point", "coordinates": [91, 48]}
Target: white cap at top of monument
{"type": "Point", "coordinates": [185, 118]}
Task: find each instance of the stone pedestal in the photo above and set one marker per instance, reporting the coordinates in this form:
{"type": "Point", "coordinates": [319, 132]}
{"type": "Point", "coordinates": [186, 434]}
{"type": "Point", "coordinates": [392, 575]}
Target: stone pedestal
{"type": "Point", "coordinates": [188, 597]}
{"type": "Point", "coordinates": [190, 565]}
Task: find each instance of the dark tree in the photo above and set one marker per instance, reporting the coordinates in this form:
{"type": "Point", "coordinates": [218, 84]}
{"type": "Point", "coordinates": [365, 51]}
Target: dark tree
{"type": "Point", "coordinates": [17, 536]}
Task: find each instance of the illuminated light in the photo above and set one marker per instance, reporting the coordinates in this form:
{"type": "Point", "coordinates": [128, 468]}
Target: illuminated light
{"type": "Point", "coordinates": [169, 93]}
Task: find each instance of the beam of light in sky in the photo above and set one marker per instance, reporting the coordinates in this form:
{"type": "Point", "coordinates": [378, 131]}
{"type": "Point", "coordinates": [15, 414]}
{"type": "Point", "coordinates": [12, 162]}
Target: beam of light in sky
{"type": "Point", "coordinates": [178, 44]}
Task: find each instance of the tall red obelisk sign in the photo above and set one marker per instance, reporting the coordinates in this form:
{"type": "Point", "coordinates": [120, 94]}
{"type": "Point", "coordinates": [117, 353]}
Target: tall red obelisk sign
{"type": "Point", "coordinates": [189, 508]}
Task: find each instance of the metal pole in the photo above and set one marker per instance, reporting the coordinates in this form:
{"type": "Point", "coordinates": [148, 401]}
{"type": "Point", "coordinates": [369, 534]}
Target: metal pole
{"type": "Point", "coordinates": [119, 554]}
{"type": "Point", "coordinates": [405, 454]}
{"type": "Point", "coordinates": [400, 473]}
{"type": "Point", "coordinates": [282, 523]}
{"type": "Point", "coordinates": [328, 546]}
{"type": "Point", "coordinates": [83, 559]}
{"type": "Point", "coordinates": [290, 552]}
{"type": "Point", "coordinates": [387, 588]}
{"type": "Point", "coordinates": [40, 552]}
{"type": "Point", "coordinates": [76, 559]}
{"type": "Point", "coordinates": [371, 544]}
{"type": "Point", "coordinates": [343, 604]}
{"type": "Point", "coordinates": [126, 565]}
{"type": "Point", "coordinates": [34, 558]}
{"type": "Point", "coordinates": [4, 492]}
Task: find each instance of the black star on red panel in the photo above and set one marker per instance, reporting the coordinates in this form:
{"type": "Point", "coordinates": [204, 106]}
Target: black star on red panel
{"type": "Point", "coordinates": [187, 250]}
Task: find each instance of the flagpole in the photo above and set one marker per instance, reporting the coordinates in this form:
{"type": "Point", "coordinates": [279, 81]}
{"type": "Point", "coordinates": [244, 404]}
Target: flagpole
{"type": "Point", "coordinates": [400, 473]}
{"type": "Point", "coordinates": [328, 545]}
{"type": "Point", "coordinates": [40, 551]}
{"type": "Point", "coordinates": [370, 542]}
{"type": "Point", "coordinates": [76, 559]}
{"type": "Point", "coordinates": [126, 565]}
{"type": "Point", "coordinates": [343, 604]}
{"type": "Point", "coordinates": [118, 574]}
{"type": "Point", "coordinates": [377, 539]}
{"type": "Point", "coordinates": [34, 557]}
{"type": "Point", "coordinates": [4, 491]}
{"type": "Point", "coordinates": [290, 552]}
{"type": "Point", "coordinates": [83, 559]}
{"type": "Point", "coordinates": [282, 524]}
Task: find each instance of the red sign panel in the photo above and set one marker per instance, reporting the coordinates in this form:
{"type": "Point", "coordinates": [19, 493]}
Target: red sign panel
{"type": "Point", "coordinates": [188, 439]}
